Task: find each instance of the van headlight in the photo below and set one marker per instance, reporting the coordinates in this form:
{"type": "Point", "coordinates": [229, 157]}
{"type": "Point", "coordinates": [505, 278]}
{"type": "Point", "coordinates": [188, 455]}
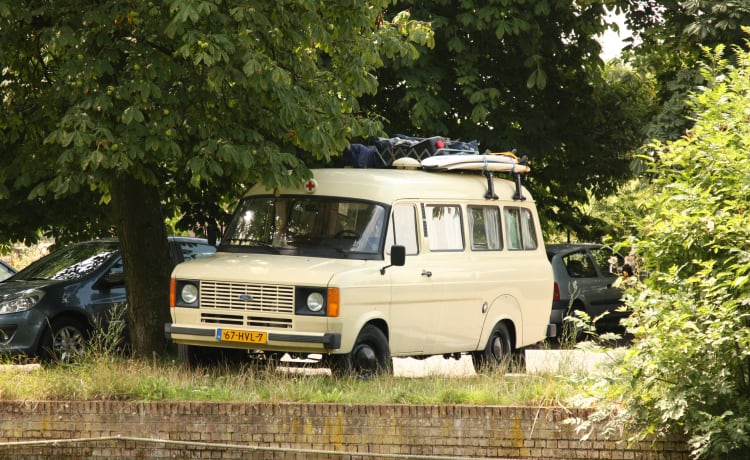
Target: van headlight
{"type": "Point", "coordinates": [20, 301]}
{"type": "Point", "coordinates": [189, 294]}
{"type": "Point", "coordinates": [315, 301]}
{"type": "Point", "coordinates": [310, 301]}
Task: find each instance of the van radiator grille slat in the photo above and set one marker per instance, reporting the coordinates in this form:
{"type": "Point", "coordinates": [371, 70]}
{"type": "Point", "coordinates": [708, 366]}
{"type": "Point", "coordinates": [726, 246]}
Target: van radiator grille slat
{"type": "Point", "coordinates": [262, 297]}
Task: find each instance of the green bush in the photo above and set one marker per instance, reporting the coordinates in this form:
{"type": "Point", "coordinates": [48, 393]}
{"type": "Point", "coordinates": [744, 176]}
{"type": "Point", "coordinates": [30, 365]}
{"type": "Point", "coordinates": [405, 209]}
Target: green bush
{"type": "Point", "coordinates": [689, 367]}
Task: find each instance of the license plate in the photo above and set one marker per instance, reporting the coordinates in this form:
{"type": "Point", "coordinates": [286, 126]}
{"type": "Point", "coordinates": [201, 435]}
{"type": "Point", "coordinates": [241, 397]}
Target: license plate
{"type": "Point", "coordinates": [233, 335]}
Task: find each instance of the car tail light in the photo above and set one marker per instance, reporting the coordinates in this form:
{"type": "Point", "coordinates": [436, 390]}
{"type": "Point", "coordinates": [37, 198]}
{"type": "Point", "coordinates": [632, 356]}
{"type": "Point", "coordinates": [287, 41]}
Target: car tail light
{"type": "Point", "coordinates": [556, 292]}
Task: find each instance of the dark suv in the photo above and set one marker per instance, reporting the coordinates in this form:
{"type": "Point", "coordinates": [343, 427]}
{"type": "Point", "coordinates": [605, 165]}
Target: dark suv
{"type": "Point", "coordinates": [48, 308]}
{"type": "Point", "coordinates": [584, 275]}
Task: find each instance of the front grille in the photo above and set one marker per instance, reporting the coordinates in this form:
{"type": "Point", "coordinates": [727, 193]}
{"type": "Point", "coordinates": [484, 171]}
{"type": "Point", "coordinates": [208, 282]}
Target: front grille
{"type": "Point", "coordinates": [257, 321]}
{"type": "Point", "coordinates": [255, 297]}
{"type": "Point", "coordinates": [222, 319]}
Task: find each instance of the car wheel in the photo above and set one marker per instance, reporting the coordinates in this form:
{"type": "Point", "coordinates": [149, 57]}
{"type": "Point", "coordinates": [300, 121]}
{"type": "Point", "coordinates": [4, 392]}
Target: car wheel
{"type": "Point", "coordinates": [497, 354]}
{"type": "Point", "coordinates": [66, 340]}
{"type": "Point", "coordinates": [370, 356]}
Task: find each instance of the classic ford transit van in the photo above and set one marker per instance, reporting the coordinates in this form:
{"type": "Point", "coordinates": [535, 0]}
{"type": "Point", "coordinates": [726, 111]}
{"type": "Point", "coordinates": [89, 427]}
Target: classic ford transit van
{"type": "Point", "coordinates": [361, 265]}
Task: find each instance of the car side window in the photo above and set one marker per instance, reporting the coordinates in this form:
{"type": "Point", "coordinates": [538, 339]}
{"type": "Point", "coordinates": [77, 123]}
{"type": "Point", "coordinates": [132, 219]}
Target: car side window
{"type": "Point", "coordinates": [579, 265]}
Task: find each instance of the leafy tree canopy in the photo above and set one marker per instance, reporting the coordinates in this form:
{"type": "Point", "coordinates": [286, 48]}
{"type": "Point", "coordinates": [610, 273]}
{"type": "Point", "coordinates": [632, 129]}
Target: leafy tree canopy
{"type": "Point", "coordinates": [521, 75]}
{"type": "Point", "coordinates": [184, 92]}
{"type": "Point", "coordinates": [668, 37]}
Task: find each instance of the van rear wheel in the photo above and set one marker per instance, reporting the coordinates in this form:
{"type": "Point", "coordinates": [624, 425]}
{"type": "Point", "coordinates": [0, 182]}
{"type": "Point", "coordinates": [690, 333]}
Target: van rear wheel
{"type": "Point", "coordinates": [370, 356]}
{"type": "Point", "coordinates": [497, 354]}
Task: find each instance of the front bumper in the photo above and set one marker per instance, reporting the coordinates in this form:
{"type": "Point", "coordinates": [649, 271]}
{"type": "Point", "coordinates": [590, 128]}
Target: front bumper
{"type": "Point", "coordinates": [207, 336]}
{"type": "Point", "coordinates": [20, 333]}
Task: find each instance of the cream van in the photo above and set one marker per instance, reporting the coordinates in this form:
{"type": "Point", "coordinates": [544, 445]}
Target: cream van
{"type": "Point", "coordinates": [362, 265]}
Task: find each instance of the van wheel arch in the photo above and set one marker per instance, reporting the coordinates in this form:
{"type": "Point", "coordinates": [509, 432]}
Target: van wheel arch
{"type": "Point", "coordinates": [370, 356]}
{"type": "Point", "coordinates": [499, 352]}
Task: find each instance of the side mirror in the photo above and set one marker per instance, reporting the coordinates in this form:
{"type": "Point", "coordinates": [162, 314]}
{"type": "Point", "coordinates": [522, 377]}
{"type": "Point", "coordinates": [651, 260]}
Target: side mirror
{"type": "Point", "coordinates": [114, 278]}
{"type": "Point", "coordinates": [398, 257]}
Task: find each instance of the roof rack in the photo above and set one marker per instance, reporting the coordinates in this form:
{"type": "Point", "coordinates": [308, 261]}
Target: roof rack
{"type": "Point", "coordinates": [438, 153]}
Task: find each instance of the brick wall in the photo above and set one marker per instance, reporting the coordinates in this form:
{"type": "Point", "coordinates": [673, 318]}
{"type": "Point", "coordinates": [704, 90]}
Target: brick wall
{"type": "Point", "coordinates": [123, 429]}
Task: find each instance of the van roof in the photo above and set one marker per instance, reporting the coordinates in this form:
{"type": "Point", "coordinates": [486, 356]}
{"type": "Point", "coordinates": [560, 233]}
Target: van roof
{"type": "Point", "coordinates": [389, 185]}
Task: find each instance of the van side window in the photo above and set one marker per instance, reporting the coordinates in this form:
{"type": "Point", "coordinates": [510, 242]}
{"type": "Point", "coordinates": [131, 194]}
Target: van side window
{"type": "Point", "coordinates": [405, 228]}
{"type": "Point", "coordinates": [485, 228]}
{"type": "Point", "coordinates": [521, 228]}
{"type": "Point", "coordinates": [444, 227]}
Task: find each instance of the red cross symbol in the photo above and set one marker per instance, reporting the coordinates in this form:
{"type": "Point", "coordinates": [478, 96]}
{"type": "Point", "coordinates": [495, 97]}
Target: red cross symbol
{"type": "Point", "coordinates": [311, 185]}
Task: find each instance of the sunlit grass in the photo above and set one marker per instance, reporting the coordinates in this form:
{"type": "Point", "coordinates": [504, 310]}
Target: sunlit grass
{"type": "Point", "coordinates": [116, 378]}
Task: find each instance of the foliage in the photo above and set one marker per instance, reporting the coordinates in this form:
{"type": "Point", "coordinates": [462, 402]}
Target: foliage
{"type": "Point", "coordinates": [668, 37]}
{"type": "Point", "coordinates": [689, 367]}
{"type": "Point", "coordinates": [526, 76]}
{"type": "Point", "coordinates": [188, 95]}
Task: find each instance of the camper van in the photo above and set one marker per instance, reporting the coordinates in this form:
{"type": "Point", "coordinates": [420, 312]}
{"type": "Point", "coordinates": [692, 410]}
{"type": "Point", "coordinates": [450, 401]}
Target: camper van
{"type": "Point", "coordinates": [358, 266]}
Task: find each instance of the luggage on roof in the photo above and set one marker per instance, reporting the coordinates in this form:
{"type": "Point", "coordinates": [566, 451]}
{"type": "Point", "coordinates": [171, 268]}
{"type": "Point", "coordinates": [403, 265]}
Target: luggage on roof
{"type": "Point", "coordinates": [384, 151]}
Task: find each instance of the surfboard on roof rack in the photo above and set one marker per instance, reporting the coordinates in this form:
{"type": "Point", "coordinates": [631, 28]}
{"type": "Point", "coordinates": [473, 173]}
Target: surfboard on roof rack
{"type": "Point", "coordinates": [501, 162]}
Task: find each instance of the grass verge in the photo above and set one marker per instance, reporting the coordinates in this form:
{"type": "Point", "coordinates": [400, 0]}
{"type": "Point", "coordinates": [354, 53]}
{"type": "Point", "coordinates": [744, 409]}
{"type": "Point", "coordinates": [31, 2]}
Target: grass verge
{"type": "Point", "coordinates": [116, 378]}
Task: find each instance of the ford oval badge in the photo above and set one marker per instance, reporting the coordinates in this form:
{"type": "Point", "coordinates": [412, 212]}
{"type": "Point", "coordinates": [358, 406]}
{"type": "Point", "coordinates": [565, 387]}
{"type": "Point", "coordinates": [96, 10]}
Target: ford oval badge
{"type": "Point", "coordinates": [246, 297]}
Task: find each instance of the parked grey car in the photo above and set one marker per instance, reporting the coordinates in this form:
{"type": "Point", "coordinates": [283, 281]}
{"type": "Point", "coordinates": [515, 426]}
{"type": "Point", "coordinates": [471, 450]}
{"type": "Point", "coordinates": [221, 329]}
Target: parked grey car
{"type": "Point", "coordinates": [585, 275]}
{"type": "Point", "coordinates": [48, 308]}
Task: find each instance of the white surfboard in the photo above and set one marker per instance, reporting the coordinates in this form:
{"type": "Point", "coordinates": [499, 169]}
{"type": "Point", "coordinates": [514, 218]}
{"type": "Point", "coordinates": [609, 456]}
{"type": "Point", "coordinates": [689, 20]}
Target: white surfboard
{"type": "Point", "coordinates": [489, 166]}
{"type": "Point", "coordinates": [499, 162]}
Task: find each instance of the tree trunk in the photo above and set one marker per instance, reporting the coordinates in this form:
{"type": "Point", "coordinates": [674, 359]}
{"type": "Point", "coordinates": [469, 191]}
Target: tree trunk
{"type": "Point", "coordinates": [146, 262]}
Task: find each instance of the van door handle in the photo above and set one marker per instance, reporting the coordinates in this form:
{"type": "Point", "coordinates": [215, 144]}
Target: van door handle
{"type": "Point", "coordinates": [426, 273]}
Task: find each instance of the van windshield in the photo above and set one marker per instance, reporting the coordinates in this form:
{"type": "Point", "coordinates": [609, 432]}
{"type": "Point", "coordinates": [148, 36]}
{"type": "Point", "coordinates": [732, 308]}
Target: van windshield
{"type": "Point", "coordinates": [307, 226]}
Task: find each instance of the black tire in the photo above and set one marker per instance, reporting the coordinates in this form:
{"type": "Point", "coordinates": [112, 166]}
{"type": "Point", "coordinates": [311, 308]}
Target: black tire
{"type": "Point", "coordinates": [65, 341]}
{"type": "Point", "coordinates": [498, 354]}
{"type": "Point", "coordinates": [370, 356]}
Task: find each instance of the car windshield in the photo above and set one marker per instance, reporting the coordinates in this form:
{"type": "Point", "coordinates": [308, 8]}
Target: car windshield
{"type": "Point", "coordinates": [70, 263]}
{"type": "Point", "coordinates": [307, 226]}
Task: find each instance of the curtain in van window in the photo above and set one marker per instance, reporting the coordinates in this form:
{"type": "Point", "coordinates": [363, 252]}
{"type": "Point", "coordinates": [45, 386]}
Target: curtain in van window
{"type": "Point", "coordinates": [514, 228]}
{"type": "Point", "coordinates": [444, 228]}
{"type": "Point", "coordinates": [521, 228]}
{"type": "Point", "coordinates": [529, 236]}
{"type": "Point", "coordinates": [484, 228]}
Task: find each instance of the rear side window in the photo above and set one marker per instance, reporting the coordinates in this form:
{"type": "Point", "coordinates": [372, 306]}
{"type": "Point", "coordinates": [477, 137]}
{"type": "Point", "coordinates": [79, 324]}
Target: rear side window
{"type": "Point", "coordinates": [521, 229]}
{"type": "Point", "coordinates": [444, 227]}
{"type": "Point", "coordinates": [484, 228]}
{"type": "Point", "coordinates": [579, 265]}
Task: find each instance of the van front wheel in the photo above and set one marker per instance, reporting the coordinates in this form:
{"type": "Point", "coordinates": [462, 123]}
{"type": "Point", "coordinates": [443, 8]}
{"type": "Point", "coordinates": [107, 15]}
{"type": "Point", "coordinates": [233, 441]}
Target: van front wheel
{"type": "Point", "coordinates": [497, 354]}
{"type": "Point", "coordinates": [370, 356]}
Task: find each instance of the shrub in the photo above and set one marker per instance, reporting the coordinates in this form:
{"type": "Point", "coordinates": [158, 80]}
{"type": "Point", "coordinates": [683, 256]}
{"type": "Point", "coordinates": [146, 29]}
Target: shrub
{"type": "Point", "coordinates": [689, 367]}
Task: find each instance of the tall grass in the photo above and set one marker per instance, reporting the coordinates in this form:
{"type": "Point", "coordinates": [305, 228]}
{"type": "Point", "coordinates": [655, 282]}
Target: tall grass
{"type": "Point", "coordinates": [111, 377]}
